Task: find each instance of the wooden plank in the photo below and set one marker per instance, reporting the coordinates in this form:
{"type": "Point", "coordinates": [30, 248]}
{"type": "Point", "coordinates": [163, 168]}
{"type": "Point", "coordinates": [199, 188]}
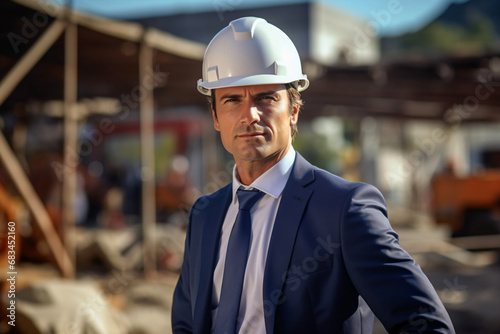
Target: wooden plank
{"type": "Point", "coordinates": [447, 250]}
{"type": "Point", "coordinates": [71, 149]}
{"type": "Point", "coordinates": [147, 160]}
{"type": "Point", "coordinates": [124, 30]}
{"type": "Point", "coordinates": [42, 218]}
{"type": "Point", "coordinates": [130, 31]}
{"type": "Point", "coordinates": [479, 242]}
{"type": "Point", "coordinates": [26, 63]}
{"type": "Point", "coordinates": [168, 43]}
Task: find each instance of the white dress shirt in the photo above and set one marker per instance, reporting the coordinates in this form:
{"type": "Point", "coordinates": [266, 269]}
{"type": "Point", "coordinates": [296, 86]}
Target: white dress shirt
{"type": "Point", "coordinates": [272, 183]}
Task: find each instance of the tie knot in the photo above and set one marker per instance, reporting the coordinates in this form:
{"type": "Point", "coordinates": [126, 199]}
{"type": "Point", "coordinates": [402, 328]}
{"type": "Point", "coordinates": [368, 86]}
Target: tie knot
{"type": "Point", "coordinates": [247, 198]}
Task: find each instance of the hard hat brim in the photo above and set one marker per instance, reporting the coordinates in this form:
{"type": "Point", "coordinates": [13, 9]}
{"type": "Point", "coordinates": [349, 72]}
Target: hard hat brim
{"type": "Point", "coordinates": [205, 87]}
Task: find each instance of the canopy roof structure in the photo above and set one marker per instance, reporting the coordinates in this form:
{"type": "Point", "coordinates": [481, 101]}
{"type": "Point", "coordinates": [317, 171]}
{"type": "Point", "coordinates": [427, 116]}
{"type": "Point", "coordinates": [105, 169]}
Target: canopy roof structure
{"type": "Point", "coordinates": [108, 54]}
{"type": "Point", "coordinates": [440, 89]}
{"type": "Point", "coordinates": [59, 57]}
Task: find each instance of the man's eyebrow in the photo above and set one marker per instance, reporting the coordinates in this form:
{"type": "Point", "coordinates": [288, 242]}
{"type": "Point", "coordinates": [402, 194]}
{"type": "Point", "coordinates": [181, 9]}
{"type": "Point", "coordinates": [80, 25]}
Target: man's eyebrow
{"type": "Point", "coordinates": [237, 96]}
{"type": "Point", "coordinates": [229, 96]}
{"type": "Point", "coordinates": [271, 92]}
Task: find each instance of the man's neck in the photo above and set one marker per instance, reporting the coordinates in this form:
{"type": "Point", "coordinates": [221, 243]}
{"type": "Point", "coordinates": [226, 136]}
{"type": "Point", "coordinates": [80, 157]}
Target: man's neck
{"type": "Point", "coordinates": [249, 171]}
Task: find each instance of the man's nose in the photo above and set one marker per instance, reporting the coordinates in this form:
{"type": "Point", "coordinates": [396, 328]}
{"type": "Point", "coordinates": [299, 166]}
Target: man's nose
{"type": "Point", "coordinates": [250, 114]}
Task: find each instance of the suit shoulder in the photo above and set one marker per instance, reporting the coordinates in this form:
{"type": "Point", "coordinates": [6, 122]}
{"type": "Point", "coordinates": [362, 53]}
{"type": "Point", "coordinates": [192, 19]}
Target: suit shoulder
{"type": "Point", "coordinates": [217, 195]}
{"type": "Point", "coordinates": [328, 183]}
{"type": "Point", "coordinates": [327, 180]}
{"type": "Point", "coordinates": [324, 177]}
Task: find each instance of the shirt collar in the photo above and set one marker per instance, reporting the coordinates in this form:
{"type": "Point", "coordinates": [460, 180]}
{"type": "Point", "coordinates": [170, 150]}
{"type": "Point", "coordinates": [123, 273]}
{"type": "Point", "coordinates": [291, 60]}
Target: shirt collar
{"type": "Point", "coordinates": [273, 181]}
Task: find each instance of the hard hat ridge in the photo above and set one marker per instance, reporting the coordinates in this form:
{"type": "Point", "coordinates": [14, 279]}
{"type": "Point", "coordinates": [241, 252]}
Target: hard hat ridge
{"type": "Point", "coordinates": [250, 51]}
{"type": "Point", "coordinates": [244, 29]}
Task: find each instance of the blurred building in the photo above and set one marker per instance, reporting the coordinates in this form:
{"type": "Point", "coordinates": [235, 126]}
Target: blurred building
{"type": "Point", "coordinates": [322, 34]}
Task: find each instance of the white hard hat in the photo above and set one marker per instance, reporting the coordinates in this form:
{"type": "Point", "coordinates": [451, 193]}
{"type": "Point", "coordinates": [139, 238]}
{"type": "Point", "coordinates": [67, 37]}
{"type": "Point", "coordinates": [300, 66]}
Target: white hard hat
{"type": "Point", "coordinates": [250, 51]}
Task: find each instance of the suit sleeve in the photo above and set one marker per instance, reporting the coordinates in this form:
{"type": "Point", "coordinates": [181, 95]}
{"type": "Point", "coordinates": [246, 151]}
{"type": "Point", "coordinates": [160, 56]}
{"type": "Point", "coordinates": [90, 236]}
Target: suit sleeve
{"type": "Point", "coordinates": [385, 275]}
{"type": "Point", "coordinates": [182, 321]}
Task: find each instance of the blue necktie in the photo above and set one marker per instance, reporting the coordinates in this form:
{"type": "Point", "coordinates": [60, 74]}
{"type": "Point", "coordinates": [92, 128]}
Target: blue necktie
{"type": "Point", "coordinates": [236, 262]}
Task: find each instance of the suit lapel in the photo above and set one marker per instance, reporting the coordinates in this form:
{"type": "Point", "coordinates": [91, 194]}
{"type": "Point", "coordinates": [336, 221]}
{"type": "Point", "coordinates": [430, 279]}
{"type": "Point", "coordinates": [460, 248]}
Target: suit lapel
{"type": "Point", "coordinates": [293, 203]}
{"type": "Point", "coordinates": [217, 206]}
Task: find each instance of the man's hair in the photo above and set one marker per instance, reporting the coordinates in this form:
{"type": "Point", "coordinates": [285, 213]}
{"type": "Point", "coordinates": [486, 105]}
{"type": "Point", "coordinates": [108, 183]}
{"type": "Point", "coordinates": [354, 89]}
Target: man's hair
{"type": "Point", "coordinates": [294, 98]}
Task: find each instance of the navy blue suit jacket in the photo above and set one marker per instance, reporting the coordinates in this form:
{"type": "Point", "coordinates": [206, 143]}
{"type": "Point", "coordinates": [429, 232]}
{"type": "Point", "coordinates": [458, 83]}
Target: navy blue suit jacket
{"type": "Point", "coordinates": [333, 259]}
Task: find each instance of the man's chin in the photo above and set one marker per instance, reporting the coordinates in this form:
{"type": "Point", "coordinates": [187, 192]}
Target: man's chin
{"type": "Point", "coordinates": [253, 153]}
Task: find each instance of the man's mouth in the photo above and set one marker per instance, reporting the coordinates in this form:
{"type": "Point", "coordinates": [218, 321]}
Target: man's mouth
{"type": "Point", "coordinates": [249, 135]}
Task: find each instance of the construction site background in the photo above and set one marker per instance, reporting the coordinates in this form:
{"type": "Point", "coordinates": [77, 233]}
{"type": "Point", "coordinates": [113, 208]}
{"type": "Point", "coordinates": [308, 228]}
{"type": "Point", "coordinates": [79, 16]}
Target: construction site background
{"type": "Point", "coordinates": [106, 144]}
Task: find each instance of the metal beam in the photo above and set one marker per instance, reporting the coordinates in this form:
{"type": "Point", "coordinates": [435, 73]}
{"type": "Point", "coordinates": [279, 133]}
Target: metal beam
{"type": "Point", "coordinates": [26, 63]}
{"type": "Point", "coordinates": [42, 218]}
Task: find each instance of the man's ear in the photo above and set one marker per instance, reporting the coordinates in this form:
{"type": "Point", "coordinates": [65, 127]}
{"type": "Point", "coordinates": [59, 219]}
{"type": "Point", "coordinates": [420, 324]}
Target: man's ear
{"type": "Point", "coordinates": [294, 117]}
{"type": "Point", "coordinates": [216, 121]}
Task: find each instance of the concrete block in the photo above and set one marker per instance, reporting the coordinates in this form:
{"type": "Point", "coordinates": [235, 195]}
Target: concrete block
{"type": "Point", "coordinates": [63, 307]}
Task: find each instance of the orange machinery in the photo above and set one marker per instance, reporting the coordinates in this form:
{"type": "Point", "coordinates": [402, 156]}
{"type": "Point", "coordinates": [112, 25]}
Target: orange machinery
{"type": "Point", "coordinates": [461, 201]}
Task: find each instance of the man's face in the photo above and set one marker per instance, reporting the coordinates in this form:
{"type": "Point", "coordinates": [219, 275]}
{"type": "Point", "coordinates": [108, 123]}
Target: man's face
{"type": "Point", "coordinates": [254, 121]}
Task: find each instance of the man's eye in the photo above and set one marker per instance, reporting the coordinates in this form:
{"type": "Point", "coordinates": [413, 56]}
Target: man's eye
{"type": "Point", "coordinates": [267, 98]}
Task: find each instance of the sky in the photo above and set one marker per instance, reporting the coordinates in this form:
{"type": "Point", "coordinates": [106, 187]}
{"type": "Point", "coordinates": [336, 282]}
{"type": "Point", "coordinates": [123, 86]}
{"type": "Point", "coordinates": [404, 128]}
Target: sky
{"type": "Point", "coordinates": [393, 17]}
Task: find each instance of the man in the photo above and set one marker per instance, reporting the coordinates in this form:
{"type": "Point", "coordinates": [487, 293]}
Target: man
{"type": "Point", "coordinates": [309, 252]}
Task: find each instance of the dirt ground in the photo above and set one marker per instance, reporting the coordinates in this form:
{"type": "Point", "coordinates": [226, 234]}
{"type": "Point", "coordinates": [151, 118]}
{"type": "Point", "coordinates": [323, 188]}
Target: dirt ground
{"type": "Point", "coordinates": [468, 284]}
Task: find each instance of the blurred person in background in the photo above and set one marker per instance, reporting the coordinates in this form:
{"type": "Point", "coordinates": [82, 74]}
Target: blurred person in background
{"type": "Point", "coordinates": [175, 193]}
{"type": "Point", "coordinates": [287, 247]}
